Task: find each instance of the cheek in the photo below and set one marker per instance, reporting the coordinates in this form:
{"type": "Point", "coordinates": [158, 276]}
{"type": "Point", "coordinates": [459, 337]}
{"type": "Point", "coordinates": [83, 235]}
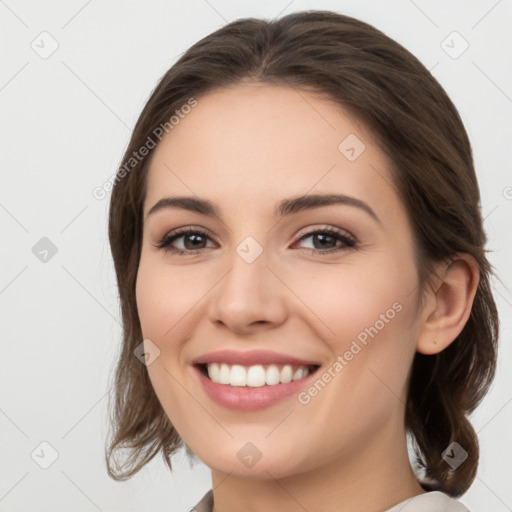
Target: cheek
{"type": "Point", "coordinates": [163, 302]}
{"type": "Point", "coordinates": [150, 294]}
{"type": "Point", "coordinates": [370, 317]}
{"type": "Point", "coordinates": [350, 298]}
{"type": "Point", "coordinates": [164, 297]}
{"type": "Point", "coordinates": [368, 320]}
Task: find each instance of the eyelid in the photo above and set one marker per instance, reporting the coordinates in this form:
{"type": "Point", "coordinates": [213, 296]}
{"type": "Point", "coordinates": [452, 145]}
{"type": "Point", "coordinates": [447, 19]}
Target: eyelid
{"type": "Point", "coordinates": [311, 230]}
{"type": "Point", "coordinates": [185, 230]}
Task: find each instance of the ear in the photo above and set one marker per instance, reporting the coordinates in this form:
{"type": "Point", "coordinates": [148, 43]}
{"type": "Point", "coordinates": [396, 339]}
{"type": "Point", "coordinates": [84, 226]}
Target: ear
{"type": "Point", "coordinates": [448, 305]}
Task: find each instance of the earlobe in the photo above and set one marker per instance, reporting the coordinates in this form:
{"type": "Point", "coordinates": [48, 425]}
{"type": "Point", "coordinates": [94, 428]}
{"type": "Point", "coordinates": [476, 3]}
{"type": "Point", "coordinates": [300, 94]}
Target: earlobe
{"type": "Point", "coordinates": [449, 305]}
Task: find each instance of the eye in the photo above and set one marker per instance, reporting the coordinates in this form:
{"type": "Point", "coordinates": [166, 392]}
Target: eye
{"type": "Point", "coordinates": [193, 241]}
{"type": "Point", "coordinates": [325, 240]}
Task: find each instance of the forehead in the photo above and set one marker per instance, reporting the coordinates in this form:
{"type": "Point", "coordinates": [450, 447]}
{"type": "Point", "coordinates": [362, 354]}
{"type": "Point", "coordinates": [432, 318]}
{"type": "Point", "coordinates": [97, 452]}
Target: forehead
{"type": "Point", "coordinates": [254, 143]}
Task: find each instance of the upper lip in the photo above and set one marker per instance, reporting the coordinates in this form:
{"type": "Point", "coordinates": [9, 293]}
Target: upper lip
{"type": "Point", "coordinates": [251, 357]}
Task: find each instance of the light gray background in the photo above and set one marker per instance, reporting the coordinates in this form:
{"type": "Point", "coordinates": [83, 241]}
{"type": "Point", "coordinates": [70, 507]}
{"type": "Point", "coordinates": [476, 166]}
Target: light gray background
{"type": "Point", "coordinates": [66, 120]}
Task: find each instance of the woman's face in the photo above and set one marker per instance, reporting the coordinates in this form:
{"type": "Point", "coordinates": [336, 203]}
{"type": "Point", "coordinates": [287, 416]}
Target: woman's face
{"type": "Point", "coordinates": [258, 277]}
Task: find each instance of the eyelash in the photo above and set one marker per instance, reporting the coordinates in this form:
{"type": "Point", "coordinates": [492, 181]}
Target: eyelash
{"type": "Point", "coordinates": [348, 242]}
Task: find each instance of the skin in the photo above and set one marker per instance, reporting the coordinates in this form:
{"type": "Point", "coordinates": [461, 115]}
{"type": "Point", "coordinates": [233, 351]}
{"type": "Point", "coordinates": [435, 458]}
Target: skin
{"type": "Point", "coordinates": [246, 148]}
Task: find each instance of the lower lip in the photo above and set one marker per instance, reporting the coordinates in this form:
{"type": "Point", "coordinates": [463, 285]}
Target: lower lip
{"type": "Point", "coordinates": [246, 398]}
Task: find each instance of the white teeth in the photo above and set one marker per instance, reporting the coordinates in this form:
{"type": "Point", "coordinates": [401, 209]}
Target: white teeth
{"type": "Point", "coordinates": [273, 375]}
{"type": "Point", "coordinates": [254, 376]}
{"type": "Point", "coordinates": [224, 374]}
{"type": "Point", "coordinates": [238, 376]}
{"type": "Point", "coordinates": [286, 374]}
{"type": "Point", "coordinates": [299, 372]}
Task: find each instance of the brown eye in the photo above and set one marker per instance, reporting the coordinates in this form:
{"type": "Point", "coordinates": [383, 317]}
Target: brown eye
{"type": "Point", "coordinates": [328, 240]}
{"type": "Point", "coordinates": [193, 240]}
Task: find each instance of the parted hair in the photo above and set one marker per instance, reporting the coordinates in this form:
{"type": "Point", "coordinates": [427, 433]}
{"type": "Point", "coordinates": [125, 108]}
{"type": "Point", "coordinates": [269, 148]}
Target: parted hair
{"type": "Point", "coordinates": [419, 129]}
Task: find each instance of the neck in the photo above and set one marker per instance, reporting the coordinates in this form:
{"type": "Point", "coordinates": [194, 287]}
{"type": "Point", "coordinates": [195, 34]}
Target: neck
{"type": "Point", "coordinates": [373, 478]}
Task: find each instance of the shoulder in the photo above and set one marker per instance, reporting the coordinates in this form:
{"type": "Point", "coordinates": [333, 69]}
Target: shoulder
{"type": "Point", "coordinates": [205, 504]}
{"type": "Point", "coordinates": [434, 501]}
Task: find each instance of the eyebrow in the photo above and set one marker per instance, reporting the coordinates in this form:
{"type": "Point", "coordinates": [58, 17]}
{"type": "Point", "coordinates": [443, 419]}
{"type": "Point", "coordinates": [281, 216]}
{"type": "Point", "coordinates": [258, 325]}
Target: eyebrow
{"type": "Point", "coordinates": [284, 208]}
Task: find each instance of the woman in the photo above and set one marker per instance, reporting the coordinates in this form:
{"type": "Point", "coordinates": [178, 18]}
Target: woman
{"type": "Point", "coordinates": [299, 250]}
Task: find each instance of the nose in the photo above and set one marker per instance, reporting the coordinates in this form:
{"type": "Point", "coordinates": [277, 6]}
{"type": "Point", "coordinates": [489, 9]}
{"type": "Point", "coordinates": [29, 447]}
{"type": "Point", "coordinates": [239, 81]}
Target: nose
{"type": "Point", "coordinates": [249, 298]}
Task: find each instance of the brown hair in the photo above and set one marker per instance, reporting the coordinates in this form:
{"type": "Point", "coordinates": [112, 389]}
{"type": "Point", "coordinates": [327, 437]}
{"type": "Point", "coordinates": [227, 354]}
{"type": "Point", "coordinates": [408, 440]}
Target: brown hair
{"type": "Point", "coordinates": [420, 130]}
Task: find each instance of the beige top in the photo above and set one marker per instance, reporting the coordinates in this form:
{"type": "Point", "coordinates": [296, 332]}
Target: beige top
{"type": "Point", "coordinates": [433, 501]}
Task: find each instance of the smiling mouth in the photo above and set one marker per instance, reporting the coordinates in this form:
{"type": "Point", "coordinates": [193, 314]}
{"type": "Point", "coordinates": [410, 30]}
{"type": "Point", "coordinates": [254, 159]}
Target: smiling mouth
{"type": "Point", "coordinates": [256, 375]}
